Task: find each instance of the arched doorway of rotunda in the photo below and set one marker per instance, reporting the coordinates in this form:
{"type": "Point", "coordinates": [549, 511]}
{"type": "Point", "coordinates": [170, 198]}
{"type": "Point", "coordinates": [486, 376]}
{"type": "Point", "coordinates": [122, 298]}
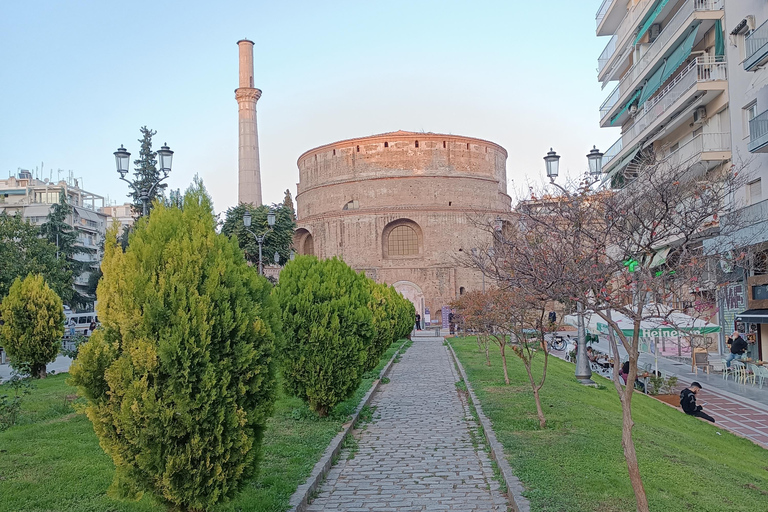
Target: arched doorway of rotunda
{"type": "Point", "coordinates": [413, 293]}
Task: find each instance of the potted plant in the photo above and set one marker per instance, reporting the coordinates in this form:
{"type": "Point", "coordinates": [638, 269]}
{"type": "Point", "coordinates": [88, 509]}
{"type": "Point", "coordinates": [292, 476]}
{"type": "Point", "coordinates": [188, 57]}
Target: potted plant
{"type": "Point", "coordinates": [663, 389]}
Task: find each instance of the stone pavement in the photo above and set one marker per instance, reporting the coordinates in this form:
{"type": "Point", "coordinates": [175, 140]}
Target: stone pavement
{"type": "Point", "coordinates": [418, 453]}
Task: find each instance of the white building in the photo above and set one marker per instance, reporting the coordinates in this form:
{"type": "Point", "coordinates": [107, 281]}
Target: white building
{"type": "Point", "coordinates": [122, 213]}
{"type": "Point", "coordinates": [33, 199]}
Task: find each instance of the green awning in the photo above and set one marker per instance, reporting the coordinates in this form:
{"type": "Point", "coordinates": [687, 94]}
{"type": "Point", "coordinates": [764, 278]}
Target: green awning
{"type": "Point", "coordinates": [678, 56]}
{"type": "Point", "coordinates": [627, 105]}
{"type": "Point", "coordinates": [719, 41]}
{"type": "Point", "coordinates": [650, 18]}
{"type": "Point", "coordinates": [612, 168]}
{"type": "Point", "coordinates": [651, 85]}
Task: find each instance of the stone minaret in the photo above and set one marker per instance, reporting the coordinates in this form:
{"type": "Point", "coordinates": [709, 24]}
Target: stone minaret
{"type": "Point", "coordinates": [249, 174]}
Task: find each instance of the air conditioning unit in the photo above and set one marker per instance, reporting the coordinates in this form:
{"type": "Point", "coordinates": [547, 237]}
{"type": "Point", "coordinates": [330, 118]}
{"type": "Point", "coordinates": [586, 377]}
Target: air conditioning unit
{"type": "Point", "coordinates": [653, 33]}
{"type": "Point", "coordinates": [699, 115]}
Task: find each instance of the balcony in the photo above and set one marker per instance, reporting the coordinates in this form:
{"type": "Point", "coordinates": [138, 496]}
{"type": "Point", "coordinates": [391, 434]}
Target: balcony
{"type": "Point", "coordinates": [612, 151]}
{"type": "Point", "coordinates": [758, 134]}
{"type": "Point", "coordinates": [673, 32]}
{"type": "Point", "coordinates": [622, 34]}
{"type": "Point", "coordinates": [705, 147]}
{"type": "Point", "coordinates": [608, 16]}
{"type": "Point", "coordinates": [703, 74]}
{"type": "Point", "coordinates": [610, 102]}
{"type": "Point", "coordinates": [756, 48]}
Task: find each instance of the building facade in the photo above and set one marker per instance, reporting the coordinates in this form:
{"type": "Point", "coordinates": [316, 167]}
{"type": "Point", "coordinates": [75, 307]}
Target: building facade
{"type": "Point", "coordinates": [670, 100]}
{"type": "Point", "coordinates": [742, 291]}
{"type": "Point", "coordinates": [122, 213]}
{"type": "Point", "coordinates": [404, 208]}
{"type": "Point", "coordinates": [32, 198]}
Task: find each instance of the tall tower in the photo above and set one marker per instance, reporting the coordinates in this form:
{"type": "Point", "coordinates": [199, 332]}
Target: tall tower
{"type": "Point", "coordinates": [249, 173]}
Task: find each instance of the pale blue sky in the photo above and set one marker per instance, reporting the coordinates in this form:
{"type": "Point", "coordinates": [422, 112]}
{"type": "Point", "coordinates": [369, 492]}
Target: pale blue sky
{"type": "Point", "coordinates": [78, 78]}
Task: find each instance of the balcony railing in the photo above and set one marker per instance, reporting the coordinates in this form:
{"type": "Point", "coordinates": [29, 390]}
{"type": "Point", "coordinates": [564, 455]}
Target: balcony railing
{"type": "Point", "coordinates": [601, 12]}
{"type": "Point", "coordinates": [612, 151]}
{"type": "Point", "coordinates": [758, 131]}
{"type": "Point", "coordinates": [699, 144]}
{"type": "Point", "coordinates": [756, 46]}
{"type": "Point", "coordinates": [701, 69]}
{"type": "Point", "coordinates": [626, 28]}
{"type": "Point", "coordinates": [608, 52]}
{"type": "Point", "coordinates": [610, 102]}
{"type": "Point", "coordinates": [628, 82]}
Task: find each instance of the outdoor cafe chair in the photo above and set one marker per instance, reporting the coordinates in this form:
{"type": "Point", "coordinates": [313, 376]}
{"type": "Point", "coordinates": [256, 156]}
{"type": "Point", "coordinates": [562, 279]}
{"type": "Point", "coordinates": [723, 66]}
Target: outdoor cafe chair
{"type": "Point", "coordinates": [739, 371]}
{"type": "Point", "coordinates": [761, 373]}
{"type": "Point", "coordinates": [752, 372]}
{"type": "Point", "coordinates": [726, 370]}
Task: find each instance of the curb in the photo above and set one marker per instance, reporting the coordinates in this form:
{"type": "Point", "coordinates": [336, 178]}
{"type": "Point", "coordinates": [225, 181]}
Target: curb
{"type": "Point", "coordinates": [300, 499]}
{"type": "Point", "coordinates": [514, 488]}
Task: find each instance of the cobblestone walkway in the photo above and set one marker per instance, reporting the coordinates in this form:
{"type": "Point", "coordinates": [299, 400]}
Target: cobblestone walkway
{"type": "Point", "coordinates": [417, 454]}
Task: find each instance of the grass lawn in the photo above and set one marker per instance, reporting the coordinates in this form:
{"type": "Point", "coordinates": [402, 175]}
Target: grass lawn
{"type": "Point", "coordinates": [577, 463]}
{"type": "Point", "coordinates": [51, 461]}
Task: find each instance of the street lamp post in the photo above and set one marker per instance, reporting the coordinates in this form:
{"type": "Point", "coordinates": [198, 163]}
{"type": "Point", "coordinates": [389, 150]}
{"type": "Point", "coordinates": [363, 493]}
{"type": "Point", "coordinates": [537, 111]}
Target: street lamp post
{"type": "Point", "coordinates": [260, 238]}
{"type": "Point", "coordinates": [552, 163]}
{"type": "Point", "coordinates": [122, 160]}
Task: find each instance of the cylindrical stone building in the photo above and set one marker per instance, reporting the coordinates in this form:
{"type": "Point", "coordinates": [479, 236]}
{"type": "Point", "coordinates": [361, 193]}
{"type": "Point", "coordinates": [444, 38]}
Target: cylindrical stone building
{"type": "Point", "coordinates": [404, 208]}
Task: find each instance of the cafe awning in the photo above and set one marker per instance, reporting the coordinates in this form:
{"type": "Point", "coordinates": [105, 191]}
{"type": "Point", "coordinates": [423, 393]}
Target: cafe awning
{"type": "Point", "coordinates": [753, 316]}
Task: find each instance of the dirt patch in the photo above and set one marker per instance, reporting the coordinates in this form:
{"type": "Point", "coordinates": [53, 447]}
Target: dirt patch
{"type": "Point", "coordinates": [755, 488]}
{"type": "Point", "coordinates": [673, 400]}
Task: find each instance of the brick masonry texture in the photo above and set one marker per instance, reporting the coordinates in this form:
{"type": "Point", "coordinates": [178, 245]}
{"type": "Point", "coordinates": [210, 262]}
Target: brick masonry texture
{"type": "Point", "coordinates": [352, 193]}
{"type": "Point", "coordinates": [418, 452]}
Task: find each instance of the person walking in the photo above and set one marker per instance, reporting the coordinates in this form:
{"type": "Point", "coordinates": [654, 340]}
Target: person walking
{"type": "Point", "coordinates": [688, 402]}
{"type": "Point", "coordinates": [418, 322]}
{"type": "Point", "coordinates": [738, 348]}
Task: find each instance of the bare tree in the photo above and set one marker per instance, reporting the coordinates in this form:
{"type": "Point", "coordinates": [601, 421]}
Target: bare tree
{"type": "Point", "coordinates": [636, 251]}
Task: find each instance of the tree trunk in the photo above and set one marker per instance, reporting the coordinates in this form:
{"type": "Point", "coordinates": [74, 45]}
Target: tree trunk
{"type": "Point", "coordinates": [38, 371]}
{"type": "Point", "coordinates": [487, 354]}
{"type": "Point", "coordinates": [539, 410]}
{"type": "Point", "coordinates": [629, 449]}
{"type": "Point", "coordinates": [479, 344]}
{"type": "Point", "coordinates": [504, 362]}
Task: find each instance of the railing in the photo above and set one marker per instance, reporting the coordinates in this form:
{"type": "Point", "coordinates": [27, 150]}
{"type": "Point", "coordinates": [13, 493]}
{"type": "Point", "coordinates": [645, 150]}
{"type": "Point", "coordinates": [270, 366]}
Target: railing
{"type": "Point", "coordinates": [612, 151]}
{"type": "Point", "coordinates": [626, 28]}
{"type": "Point", "coordinates": [628, 82]}
{"type": "Point", "coordinates": [601, 12]}
{"type": "Point", "coordinates": [758, 127]}
{"type": "Point", "coordinates": [755, 42]}
{"type": "Point", "coordinates": [608, 52]}
{"type": "Point", "coordinates": [610, 102]}
{"type": "Point", "coordinates": [698, 145]}
{"type": "Point", "coordinates": [701, 69]}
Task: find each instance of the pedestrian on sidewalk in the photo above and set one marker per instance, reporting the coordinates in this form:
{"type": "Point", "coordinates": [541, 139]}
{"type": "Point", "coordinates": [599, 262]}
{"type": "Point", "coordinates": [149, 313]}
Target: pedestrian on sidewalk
{"type": "Point", "coordinates": [738, 348]}
{"type": "Point", "coordinates": [688, 402]}
{"type": "Point", "coordinates": [418, 322]}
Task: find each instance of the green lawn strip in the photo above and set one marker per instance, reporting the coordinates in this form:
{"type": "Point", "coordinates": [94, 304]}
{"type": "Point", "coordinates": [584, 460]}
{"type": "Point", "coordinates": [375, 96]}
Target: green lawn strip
{"type": "Point", "coordinates": [52, 460]}
{"type": "Point", "coordinates": [577, 462]}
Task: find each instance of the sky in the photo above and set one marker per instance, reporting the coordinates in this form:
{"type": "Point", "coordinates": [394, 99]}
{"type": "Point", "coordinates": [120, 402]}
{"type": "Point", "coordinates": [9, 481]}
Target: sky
{"type": "Point", "coordinates": [79, 78]}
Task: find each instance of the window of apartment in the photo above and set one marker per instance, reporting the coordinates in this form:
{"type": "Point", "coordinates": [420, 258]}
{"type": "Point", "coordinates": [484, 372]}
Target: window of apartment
{"type": "Point", "coordinates": [749, 113]}
{"type": "Point", "coordinates": [754, 191]}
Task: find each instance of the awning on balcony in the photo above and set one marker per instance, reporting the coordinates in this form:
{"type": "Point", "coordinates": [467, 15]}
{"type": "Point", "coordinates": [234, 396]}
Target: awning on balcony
{"type": "Point", "coordinates": [87, 214]}
{"type": "Point", "coordinates": [650, 18]}
{"type": "Point", "coordinates": [672, 63]}
{"type": "Point", "coordinates": [753, 316]}
{"type": "Point", "coordinates": [611, 170]}
{"type": "Point", "coordinates": [627, 105]}
{"type": "Point", "coordinates": [660, 257]}
{"type": "Point", "coordinates": [679, 54]}
{"type": "Point", "coordinates": [719, 40]}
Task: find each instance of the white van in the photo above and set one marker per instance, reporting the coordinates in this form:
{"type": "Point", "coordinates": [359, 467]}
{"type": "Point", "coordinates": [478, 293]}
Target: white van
{"type": "Point", "coordinates": [79, 324]}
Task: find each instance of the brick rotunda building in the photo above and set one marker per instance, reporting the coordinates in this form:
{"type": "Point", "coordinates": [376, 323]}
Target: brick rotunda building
{"type": "Point", "coordinates": [404, 208]}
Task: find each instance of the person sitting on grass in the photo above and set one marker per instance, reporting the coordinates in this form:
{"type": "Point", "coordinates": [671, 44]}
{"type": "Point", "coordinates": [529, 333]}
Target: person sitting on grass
{"type": "Point", "coordinates": [688, 402]}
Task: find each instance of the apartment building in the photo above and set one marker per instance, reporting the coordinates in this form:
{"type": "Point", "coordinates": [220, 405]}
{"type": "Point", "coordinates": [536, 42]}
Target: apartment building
{"type": "Point", "coordinates": [665, 65]}
{"type": "Point", "coordinates": [122, 213]}
{"type": "Point", "coordinates": [33, 199]}
{"type": "Point", "coordinates": [743, 289]}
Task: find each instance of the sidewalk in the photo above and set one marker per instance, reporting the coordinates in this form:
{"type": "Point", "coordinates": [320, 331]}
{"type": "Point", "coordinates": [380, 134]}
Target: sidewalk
{"type": "Point", "coordinates": [418, 453]}
{"type": "Point", "coordinates": [61, 364]}
{"type": "Point", "coordinates": [739, 408]}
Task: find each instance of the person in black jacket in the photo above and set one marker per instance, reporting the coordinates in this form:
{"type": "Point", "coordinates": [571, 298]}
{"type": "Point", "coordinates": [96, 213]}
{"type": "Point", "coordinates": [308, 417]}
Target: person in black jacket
{"type": "Point", "coordinates": [738, 348]}
{"type": "Point", "coordinates": [688, 402]}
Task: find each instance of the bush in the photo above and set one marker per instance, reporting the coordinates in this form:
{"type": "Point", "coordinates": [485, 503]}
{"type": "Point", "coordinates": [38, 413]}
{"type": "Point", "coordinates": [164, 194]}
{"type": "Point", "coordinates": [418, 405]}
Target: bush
{"type": "Point", "coordinates": [10, 405]}
{"type": "Point", "coordinates": [33, 318]}
{"type": "Point", "coordinates": [383, 306]}
{"type": "Point", "coordinates": [327, 327]}
{"type": "Point", "coordinates": [405, 317]}
{"type": "Point", "coordinates": [179, 378]}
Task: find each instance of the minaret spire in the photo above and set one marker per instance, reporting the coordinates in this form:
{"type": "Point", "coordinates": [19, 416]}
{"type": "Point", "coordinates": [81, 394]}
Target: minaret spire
{"type": "Point", "coordinates": [249, 172]}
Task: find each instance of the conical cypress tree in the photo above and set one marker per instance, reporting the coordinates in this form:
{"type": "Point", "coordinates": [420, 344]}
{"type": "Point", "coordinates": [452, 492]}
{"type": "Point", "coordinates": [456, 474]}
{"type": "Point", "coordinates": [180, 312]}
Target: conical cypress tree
{"type": "Point", "coordinates": [180, 379]}
{"type": "Point", "coordinates": [33, 324]}
{"type": "Point", "coordinates": [327, 327]}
